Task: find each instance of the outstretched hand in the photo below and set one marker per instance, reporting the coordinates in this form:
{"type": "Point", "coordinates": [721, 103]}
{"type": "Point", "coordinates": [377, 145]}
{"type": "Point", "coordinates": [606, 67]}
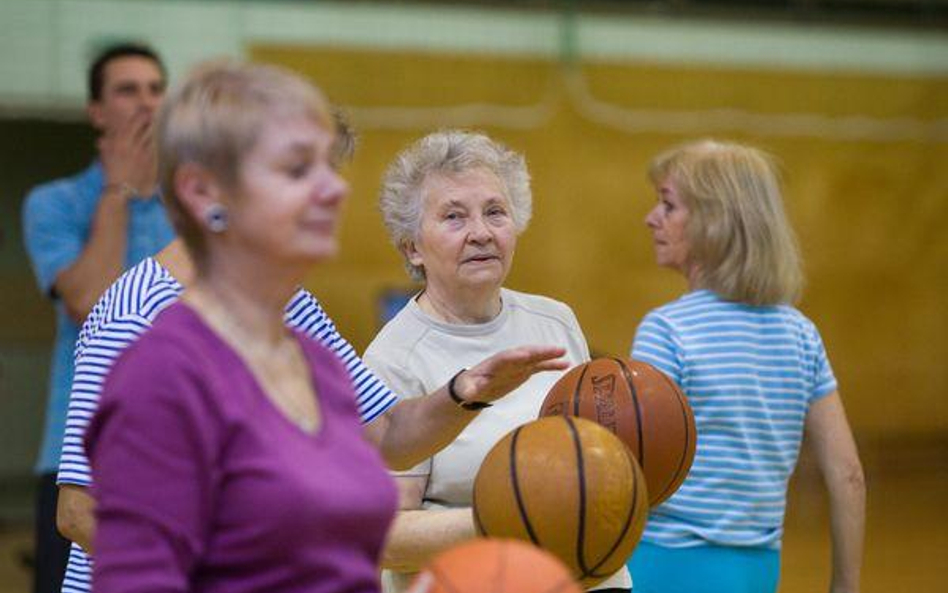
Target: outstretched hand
{"type": "Point", "coordinates": [502, 373]}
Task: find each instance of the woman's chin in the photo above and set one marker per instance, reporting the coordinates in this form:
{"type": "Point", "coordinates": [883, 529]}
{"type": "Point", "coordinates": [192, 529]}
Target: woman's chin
{"type": "Point", "coordinates": [322, 250]}
{"type": "Point", "coordinates": [484, 279]}
{"type": "Point", "coordinates": [312, 255]}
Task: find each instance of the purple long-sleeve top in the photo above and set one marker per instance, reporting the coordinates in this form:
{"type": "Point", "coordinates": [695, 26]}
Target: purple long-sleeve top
{"type": "Point", "coordinates": [203, 485]}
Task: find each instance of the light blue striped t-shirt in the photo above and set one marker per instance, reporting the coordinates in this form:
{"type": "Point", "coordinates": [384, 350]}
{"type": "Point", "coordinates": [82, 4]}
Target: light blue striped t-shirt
{"type": "Point", "coordinates": [121, 316]}
{"type": "Point", "coordinates": [750, 374]}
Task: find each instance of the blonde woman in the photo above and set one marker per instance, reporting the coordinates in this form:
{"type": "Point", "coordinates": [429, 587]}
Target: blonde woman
{"type": "Point", "coordinates": [756, 373]}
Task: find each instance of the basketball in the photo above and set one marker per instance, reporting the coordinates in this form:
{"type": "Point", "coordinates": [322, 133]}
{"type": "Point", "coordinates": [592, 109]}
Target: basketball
{"type": "Point", "coordinates": [495, 566]}
{"type": "Point", "coordinates": [568, 486]}
{"type": "Point", "coordinates": [639, 404]}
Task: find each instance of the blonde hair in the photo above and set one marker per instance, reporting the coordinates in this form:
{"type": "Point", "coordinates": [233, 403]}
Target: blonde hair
{"type": "Point", "coordinates": [449, 153]}
{"type": "Point", "coordinates": [740, 241]}
{"type": "Point", "coordinates": [215, 117]}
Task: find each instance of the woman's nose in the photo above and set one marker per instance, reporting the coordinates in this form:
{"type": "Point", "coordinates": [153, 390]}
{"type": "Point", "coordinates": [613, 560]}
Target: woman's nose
{"type": "Point", "coordinates": [332, 188]}
{"type": "Point", "coordinates": [478, 230]}
{"type": "Point", "coordinates": [651, 219]}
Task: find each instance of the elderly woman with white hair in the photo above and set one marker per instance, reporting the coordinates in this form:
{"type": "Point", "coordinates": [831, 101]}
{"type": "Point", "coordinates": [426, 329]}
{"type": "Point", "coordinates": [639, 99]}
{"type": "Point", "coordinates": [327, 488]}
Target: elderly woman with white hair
{"type": "Point", "coordinates": [454, 204]}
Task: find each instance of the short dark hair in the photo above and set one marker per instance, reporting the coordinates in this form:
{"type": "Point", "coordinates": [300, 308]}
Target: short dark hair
{"type": "Point", "coordinates": [114, 52]}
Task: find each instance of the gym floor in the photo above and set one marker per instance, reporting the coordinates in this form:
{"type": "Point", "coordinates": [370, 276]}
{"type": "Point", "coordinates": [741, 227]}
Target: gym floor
{"type": "Point", "coordinates": [906, 542]}
{"type": "Point", "coordinates": [906, 538]}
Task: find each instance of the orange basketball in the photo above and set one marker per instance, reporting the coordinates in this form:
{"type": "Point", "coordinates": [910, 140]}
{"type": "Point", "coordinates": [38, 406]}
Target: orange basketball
{"type": "Point", "coordinates": [640, 405]}
{"type": "Point", "coordinates": [495, 566]}
{"type": "Point", "coordinates": [569, 486]}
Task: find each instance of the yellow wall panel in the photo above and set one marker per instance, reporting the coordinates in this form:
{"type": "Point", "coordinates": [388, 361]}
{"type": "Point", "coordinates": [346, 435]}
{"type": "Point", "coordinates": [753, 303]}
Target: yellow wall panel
{"type": "Point", "coordinates": [829, 93]}
{"type": "Point", "coordinates": [871, 212]}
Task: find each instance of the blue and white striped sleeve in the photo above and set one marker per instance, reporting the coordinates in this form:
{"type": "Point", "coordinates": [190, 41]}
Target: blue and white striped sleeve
{"type": "Point", "coordinates": [823, 378]}
{"type": "Point", "coordinates": [655, 344]}
{"type": "Point", "coordinates": [373, 397]}
{"type": "Point", "coordinates": [95, 356]}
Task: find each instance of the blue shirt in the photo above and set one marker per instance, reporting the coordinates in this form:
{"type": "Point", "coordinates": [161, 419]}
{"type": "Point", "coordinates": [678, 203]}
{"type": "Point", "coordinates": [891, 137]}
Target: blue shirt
{"type": "Point", "coordinates": [123, 314]}
{"type": "Point", "coordinates": [57, 221]}
{"type": "Point", "coordinates": [750, 374]}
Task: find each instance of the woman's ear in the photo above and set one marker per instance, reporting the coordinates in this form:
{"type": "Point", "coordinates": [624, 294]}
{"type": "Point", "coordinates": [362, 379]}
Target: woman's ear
{"type": "Point", "coordinates": [197, 190]}
{"type": "Point", "coordinates": [411, 253]}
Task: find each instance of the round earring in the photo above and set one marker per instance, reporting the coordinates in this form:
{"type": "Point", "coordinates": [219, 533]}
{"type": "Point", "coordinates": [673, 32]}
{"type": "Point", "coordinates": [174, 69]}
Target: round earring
{"type": "Point", "coordinates": [216, 218]}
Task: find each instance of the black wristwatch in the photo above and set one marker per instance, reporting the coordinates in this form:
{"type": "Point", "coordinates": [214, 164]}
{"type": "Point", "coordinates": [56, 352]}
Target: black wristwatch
{"type": "Point", "coordinates": [474, 406]}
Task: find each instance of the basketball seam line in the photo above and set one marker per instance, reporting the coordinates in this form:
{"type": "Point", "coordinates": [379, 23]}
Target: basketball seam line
{"type": "Point", "coordinates": [628, 521]}
{"type": "Point", "coordinates": [638, 409]}
{"type": "Point", "coordinates": [578, 389]}
{"type": "Point", "coordinates": [684, 417]}
{"type": "Point", "coordinates": [521, 507]}
{"type": "Point", "coordinates": [478, 526]}
{"type": "Point", "coordinates": [501, 568]}
{"type": "Point", "coordinates": [580, 470]}
{"type": "Point", "coordinates": [442, 579]}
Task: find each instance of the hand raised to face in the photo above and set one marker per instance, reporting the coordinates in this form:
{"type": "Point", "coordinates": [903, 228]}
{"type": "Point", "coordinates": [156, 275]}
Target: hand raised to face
{"type": "Point", "coordinates": [133, 89]}
{"type": "Point", "coordinates": [128, 154]}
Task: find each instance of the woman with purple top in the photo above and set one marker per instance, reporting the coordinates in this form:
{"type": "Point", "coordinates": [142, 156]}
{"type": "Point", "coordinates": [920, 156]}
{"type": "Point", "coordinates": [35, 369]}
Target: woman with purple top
{"type": "Point", "coordinates": [227, 449]}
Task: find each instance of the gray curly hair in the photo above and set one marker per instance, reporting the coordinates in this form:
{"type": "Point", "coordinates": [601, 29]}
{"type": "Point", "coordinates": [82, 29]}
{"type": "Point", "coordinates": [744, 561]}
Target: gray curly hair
{"type": "Point", "coordinates": [450, 153]}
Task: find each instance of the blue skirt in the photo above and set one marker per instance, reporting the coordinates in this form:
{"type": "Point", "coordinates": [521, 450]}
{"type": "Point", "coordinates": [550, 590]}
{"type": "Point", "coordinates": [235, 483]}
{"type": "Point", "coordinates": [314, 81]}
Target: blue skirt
{"type": "Point", "coordinates": [704, 569]}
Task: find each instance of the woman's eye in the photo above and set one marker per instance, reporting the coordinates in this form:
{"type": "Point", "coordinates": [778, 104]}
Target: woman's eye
{"type": "Point", "coordinates": [299, 170]}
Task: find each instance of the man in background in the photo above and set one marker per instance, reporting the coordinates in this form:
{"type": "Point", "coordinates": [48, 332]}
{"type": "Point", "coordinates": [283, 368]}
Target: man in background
{"type": "Point", "coordinates": [81, 232]}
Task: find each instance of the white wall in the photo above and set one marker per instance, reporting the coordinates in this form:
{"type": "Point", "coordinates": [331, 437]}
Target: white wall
{"type": "Point", "coordinates": [45, 45]}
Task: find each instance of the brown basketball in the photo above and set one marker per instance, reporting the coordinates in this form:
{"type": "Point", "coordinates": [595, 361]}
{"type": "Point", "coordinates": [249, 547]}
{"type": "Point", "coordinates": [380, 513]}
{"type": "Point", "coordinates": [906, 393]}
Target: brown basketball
{"type": "Point", "coordinates": [569, 486]}
{"type": "Point", "coordinates": [495, 566]}
{"type": "Point", "coordinates": [639, 404]}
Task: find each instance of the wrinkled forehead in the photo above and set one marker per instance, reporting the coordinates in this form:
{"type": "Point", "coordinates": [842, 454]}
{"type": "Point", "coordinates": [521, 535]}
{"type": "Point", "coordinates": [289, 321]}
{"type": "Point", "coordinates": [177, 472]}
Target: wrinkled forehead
{"type": "Point", "coordinates": [439, 186]}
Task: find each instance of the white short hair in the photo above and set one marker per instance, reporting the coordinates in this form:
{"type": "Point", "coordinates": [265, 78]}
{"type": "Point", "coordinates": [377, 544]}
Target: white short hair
{"type": "Point", "coordinates": [448, 153]}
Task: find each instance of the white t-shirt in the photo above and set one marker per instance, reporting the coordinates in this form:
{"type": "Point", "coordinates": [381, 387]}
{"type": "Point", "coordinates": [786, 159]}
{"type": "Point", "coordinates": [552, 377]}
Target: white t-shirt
{"type": "Point", "coordinates": [415, 354]}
